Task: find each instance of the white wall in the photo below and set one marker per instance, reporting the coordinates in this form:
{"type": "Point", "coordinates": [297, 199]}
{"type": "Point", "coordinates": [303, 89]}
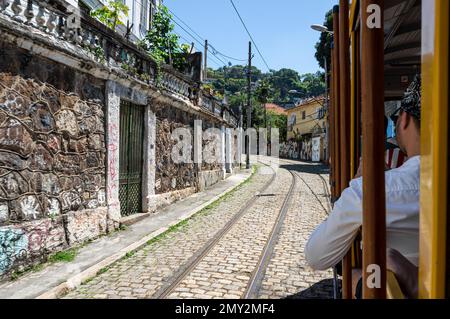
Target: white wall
{"type": "Point", "coordinates": [134, 13]}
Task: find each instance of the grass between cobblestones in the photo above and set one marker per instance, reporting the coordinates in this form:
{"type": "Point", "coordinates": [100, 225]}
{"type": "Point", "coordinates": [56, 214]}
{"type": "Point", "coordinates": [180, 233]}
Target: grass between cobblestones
{"type": "Point", "coordinates": [69, 255]}
{"type": "Point", "coordinates": [62, 256]}
{"type": "Point", "coordinates": [204, 211]}
{"type": "Point", "coordinates": [181, 225]}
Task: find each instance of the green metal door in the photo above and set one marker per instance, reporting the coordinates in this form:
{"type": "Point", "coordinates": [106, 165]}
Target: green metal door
{"type": "Point", "coordinates": [131, 158]}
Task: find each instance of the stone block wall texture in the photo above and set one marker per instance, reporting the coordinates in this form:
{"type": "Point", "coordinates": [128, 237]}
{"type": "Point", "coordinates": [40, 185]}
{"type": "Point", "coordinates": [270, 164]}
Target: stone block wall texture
{"type": "Point", "coordinates": [171, 176]}
{"type": "Point", "coordinates": [208, 146]}
{"type": "Point", "coordinates": [52, 165]}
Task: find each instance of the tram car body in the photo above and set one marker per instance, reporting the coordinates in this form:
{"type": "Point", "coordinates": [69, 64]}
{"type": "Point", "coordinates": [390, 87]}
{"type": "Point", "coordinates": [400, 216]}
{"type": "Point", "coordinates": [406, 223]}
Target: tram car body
{"type": "Point", "coordinates": [411, 36]}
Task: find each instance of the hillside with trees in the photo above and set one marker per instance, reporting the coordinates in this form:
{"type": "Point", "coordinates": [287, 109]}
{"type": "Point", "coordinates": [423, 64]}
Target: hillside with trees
{"type": "Point", "coordinates": [271, 87]}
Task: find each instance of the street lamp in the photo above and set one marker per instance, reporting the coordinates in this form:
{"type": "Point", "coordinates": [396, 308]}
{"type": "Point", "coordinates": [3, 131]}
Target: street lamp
{"type": "Point", "coordinates": [321, 28]}
{"type": "Point", "coordinates": [295, 92]}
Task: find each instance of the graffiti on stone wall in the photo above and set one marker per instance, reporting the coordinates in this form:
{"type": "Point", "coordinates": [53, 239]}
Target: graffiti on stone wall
{"type": "Point", "coordinates": [306, 151]}
{"type": "Point", "coordinates": [52, 152]}
{"type": "Point", "coordinates": [13, 247]}
{"type": "Point", "coordinates": [297, 150]}
{"type": "Point", "coordinates": [113, 164]}
{"type": "Point", "coordinates": [290, 149]}
{"type": "Point", "coordinates": [28, 241]}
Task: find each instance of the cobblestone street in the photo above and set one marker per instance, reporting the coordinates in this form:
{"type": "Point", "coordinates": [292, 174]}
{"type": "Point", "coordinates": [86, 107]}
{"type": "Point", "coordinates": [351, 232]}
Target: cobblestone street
{"type": "Point", "coordinates": [215, 254]}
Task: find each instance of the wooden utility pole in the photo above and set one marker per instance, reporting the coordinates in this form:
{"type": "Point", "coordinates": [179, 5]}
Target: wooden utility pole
{"type": "Point", "coordinates": [249, 102]}
{"type": "Point", "coordinates": [336, 98]}
{"type": "Point", "coordinates": [331, 141]}
{"type": "Point", "coordinates": [344, 65]}
{"type": "Point", "coordinates": [326, 111]}
{"type": "Point", "coordinates": [346, 266]}
{"type": "Point", "coordinates": [205, 72]}
{"type": "Point", "coordinates": [374, 197]}
{"type": "Point", "coordinates": [344, 124]}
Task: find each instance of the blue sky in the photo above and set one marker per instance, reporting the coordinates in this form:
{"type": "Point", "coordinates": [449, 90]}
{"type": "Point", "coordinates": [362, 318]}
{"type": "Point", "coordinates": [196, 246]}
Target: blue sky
{"type": "Point", "coordinates": [281, 29]}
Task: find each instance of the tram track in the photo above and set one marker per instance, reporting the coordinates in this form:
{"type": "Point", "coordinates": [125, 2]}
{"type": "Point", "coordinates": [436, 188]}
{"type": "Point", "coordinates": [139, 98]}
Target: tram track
{"type": "Point", "coordinates": [326, 210]}
{"type": "Point", "coordinates": [325, 188]}
{"type": "Point", "coordinates": [258, 274]}
{"type": "Point", "coordinates": [190, 264]}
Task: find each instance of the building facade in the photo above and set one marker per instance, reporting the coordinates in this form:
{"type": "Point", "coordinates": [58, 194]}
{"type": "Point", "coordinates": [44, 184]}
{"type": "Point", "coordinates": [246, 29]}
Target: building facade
{"type": "Point", "coordinates": [88, 128]}
{"type": "Point", "coordinates": [306, 132]}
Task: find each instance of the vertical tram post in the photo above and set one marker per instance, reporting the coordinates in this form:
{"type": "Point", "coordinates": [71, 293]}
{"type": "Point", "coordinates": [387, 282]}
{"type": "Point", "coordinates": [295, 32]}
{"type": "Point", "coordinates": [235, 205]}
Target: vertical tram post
{"type": "Point", "coordinates": [344, 124]}
{"type": "Point", "coordinates": [374, 198]}
{"type": "Point", "coordinates": [336, 98]}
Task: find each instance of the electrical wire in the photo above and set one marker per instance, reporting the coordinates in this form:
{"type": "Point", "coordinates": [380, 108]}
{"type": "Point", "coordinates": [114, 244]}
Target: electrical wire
{"type": "Point", "coordinates": [248, 32]}
{"type": "Point", "coordinates": [203, 40]}
{"type": "Point", "coordinates": [214, 62]}
{"type": "Point", "coordinates": [193, 37]}
{"type": "Point", "coordinates": [196, 40]}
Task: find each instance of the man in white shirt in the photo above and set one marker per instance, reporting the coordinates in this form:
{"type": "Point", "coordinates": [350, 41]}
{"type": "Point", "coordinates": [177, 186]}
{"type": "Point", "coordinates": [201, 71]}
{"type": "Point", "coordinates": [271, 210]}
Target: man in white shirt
{"type": "Point", "coordinates": [330, 242]}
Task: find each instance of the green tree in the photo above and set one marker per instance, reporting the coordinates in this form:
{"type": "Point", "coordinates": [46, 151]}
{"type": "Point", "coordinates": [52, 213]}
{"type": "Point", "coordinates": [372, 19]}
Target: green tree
{"type": "Point", "coordinates": [110, 14]}
{"type": "Point", "coordinates": [279, 121]}
{"type": "Point", "coordinates": [264, 92]}
{"type": "Point", "coordinates": [323, 47]}
{"type": "Point", "coordinates": [162, 43]}
{"type": "Point", "coordinates": [283, 81]}
{"type": "Point", "coordinates": [313, 84]}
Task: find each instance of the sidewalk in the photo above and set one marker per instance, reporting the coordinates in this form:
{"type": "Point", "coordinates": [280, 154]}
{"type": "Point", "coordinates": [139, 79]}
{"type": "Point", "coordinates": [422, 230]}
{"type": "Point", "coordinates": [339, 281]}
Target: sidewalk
{"type": "Point", "coordinates": [55, 279]}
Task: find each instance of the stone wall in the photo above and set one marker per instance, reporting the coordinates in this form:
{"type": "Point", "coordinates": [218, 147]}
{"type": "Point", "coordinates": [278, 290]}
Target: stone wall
{"type": "Point", "coordinates": [172, 176]}
{"type": "Point", "coordinates": [52, 163]}
{"type": "Point", "coordinates": [290, 149]}
{"type": "Point", "coordinates": [52, 152]}
{"type": "Point", "coordinates": [209, 139]}
{"type": "Point", "coordinates": [59, 147]}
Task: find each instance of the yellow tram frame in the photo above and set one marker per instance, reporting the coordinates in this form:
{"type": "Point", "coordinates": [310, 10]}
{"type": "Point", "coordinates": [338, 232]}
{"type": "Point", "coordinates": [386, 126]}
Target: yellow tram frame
{"type": "Point", "coordinates": [434, 149]}
{"type": "Point", "coordinates": [433, 273]}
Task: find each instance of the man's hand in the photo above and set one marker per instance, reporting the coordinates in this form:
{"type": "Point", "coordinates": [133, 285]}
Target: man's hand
{"type": "Point", "coordinates": [406, 273]}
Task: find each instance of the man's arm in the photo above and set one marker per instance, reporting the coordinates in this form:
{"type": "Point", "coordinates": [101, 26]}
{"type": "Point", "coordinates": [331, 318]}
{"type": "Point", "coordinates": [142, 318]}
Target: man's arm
{"type": "Point", "coordinates": [329, 243]}
{"type": "Point", "coordinates": [406, 273]}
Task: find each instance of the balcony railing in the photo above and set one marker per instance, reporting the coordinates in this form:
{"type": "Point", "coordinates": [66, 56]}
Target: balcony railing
{"type": "Point", "coordinates": [62, 22]}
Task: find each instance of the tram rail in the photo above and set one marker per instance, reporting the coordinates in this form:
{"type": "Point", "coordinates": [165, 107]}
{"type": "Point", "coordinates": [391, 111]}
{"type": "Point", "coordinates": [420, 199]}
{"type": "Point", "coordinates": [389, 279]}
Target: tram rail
{"type": "Point", "coordinates": [258, 273]}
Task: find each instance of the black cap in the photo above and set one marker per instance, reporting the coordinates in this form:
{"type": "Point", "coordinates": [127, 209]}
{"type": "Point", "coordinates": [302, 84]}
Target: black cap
{"type": "Point", "coordinates": [336, 9]}
{"type": "Point", "coordinates": [411, 102]}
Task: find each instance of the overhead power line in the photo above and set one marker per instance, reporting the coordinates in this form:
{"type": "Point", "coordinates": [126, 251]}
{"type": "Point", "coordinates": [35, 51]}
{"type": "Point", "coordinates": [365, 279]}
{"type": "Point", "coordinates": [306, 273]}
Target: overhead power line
{"type": "Point", "coordinates": [199, 37]}
{"type": "Point", "coordinates": [199, 42]}
{"type": "Point", "coordinates": [226, 56]}
{"type": "Point", "coordinates": [248, 32]}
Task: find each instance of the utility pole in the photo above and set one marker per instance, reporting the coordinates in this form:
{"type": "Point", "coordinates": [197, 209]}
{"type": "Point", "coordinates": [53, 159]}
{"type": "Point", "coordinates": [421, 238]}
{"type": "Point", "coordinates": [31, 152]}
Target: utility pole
{"type": "Point", "coordinates": [327, 100]}
{"type": "Point", "coordinates": [205, 74]}
{"type": "Point", "coordinates": [241, 126]}
{"type": "Point", "coordinates": [249, 102]}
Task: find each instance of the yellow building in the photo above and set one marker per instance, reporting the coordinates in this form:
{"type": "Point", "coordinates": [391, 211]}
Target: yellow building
{"type": "Point", "coordinates": [307, 118]}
